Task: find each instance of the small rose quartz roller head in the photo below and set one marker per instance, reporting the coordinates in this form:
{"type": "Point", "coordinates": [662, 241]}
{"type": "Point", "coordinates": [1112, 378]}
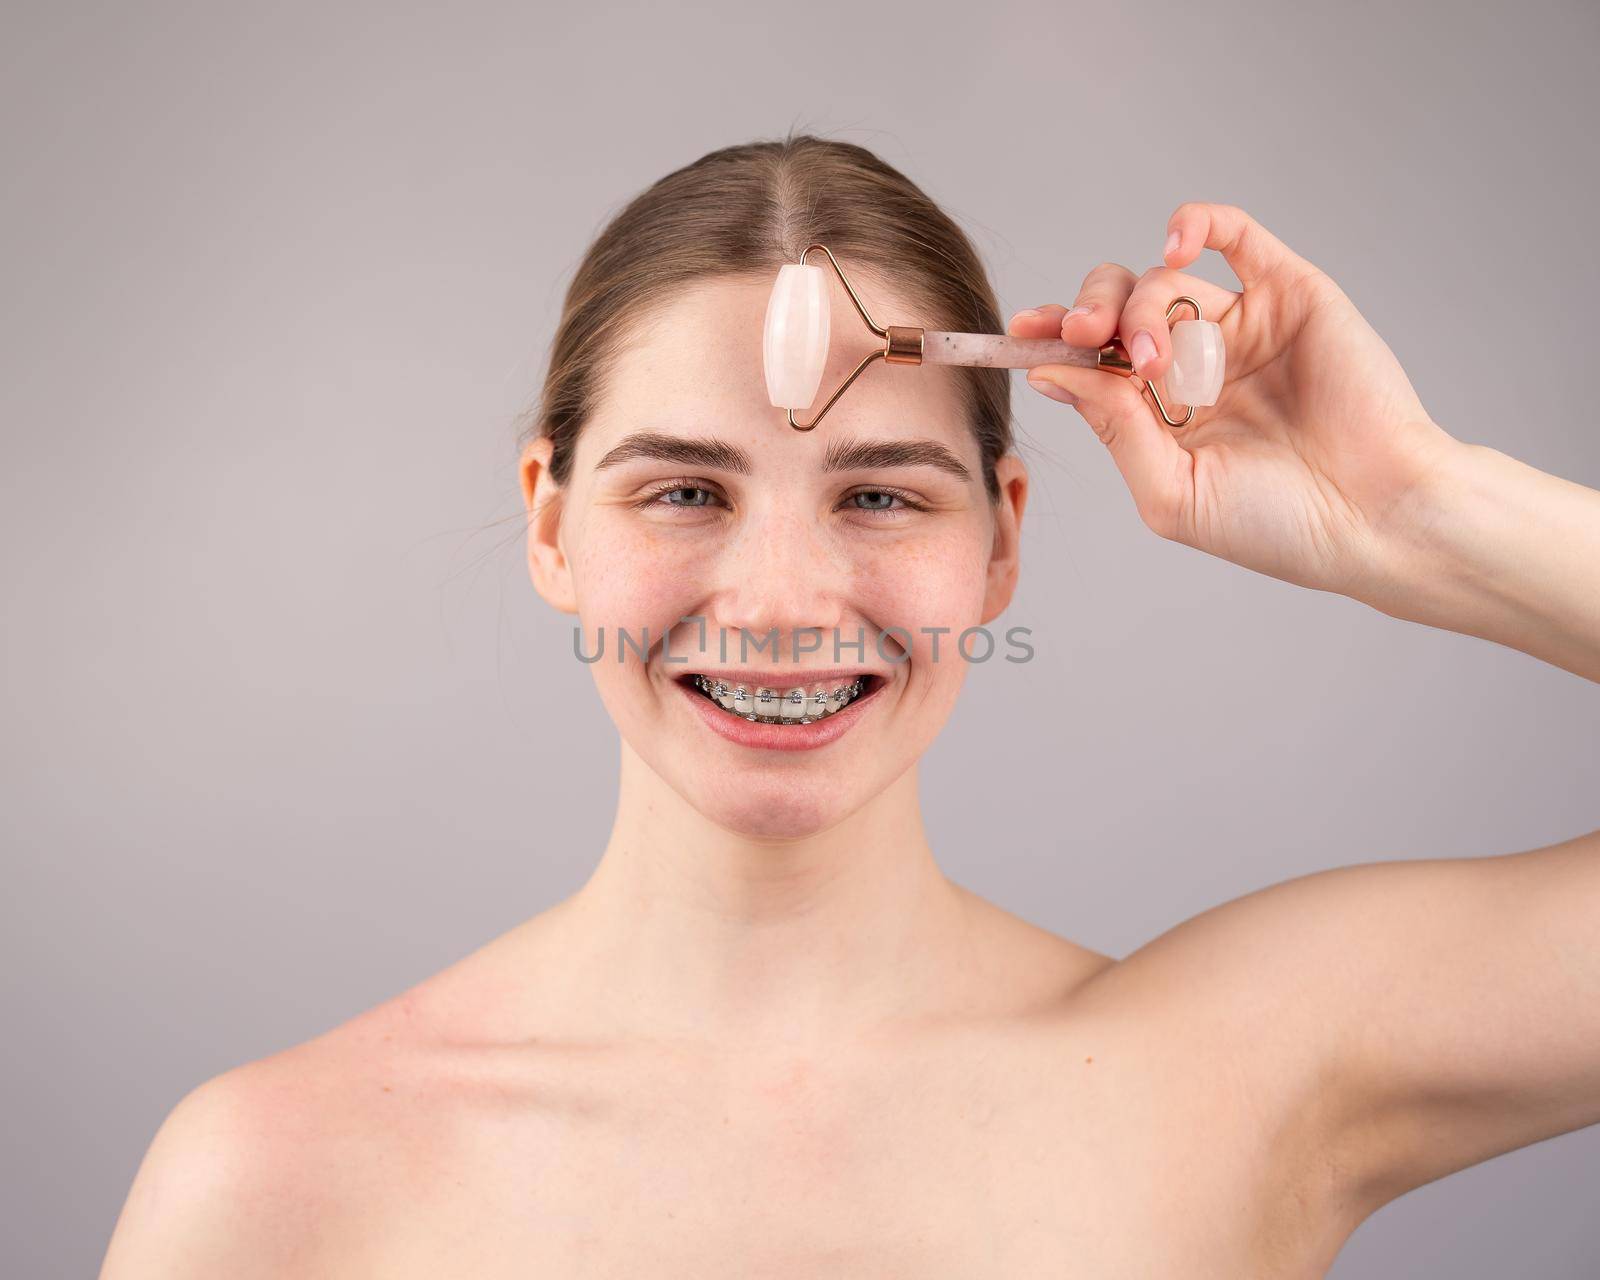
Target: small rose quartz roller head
{"type": "Point", "coordinates": [795, 347]}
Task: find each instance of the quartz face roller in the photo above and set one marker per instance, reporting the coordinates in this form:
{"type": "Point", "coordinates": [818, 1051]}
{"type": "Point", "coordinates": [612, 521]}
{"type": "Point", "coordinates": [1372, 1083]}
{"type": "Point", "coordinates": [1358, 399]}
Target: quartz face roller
{"type": "Point", "coordinates": [796, 334]}
{"type": "Point", "coordinates": [999, 351]}
{"type": "Point", "coordinates": [1193, 377]}
{"type": "Point", "coordinates": [795, 341]}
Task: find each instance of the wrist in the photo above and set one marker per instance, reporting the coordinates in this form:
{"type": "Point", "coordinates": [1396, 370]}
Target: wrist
{"type": "Point", "coordinates": [1486, 545]}
{"type": "Point", "coordinates": [1435, 546]}
{"type": "Point", "coordinates": [1412, 545]}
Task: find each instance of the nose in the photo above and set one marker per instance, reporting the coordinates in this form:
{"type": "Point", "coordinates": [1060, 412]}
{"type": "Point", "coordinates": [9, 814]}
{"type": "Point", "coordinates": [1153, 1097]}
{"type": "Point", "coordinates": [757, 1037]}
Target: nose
{"type": "Point", "coordinates": [781, 572]}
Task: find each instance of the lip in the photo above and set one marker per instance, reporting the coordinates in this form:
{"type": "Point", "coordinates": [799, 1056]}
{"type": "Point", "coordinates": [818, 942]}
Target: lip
{"type": "Point", "coordinates": [779, 737]}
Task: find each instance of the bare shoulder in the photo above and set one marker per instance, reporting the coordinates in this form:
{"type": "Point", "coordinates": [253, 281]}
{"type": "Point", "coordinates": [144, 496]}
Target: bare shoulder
{"type": "Point", "coordinates": [1407, 1018]}
{"type": "Point", "coordinates": [1037, 967]}
{"type": "Point", "coordinates": [1255, 997]}
{"type": "Point", "coordinates": [1431, 1013]}
{"type": "Point", "coordinates": [292, 1164]}
{"type": "Point", "coordinates": [1216, 1045]}
{"type": "Point", "coordinates": [261, 1171]}
{"type": "Point", "coordinates": [218, 1191]}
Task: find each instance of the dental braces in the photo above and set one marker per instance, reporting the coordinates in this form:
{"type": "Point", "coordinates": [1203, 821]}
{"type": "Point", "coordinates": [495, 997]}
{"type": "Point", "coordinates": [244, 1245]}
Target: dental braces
{"type": "Point", "coordinates": [842, 697]}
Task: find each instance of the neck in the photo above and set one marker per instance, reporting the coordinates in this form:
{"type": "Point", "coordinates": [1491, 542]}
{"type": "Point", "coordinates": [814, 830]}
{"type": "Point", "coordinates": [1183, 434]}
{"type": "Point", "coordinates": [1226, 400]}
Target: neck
{"type": "Point", "coordinates": [688, 929]}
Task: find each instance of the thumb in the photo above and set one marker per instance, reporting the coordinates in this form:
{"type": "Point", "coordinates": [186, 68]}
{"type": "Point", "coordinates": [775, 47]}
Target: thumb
{"type": "Point", "coordinates": [1157, 470]}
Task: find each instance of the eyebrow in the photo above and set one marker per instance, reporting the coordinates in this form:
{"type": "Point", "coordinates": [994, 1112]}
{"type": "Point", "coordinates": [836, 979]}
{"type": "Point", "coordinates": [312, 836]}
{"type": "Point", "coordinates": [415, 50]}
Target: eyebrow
{"type": "Point", "coordinates": [841, 455]}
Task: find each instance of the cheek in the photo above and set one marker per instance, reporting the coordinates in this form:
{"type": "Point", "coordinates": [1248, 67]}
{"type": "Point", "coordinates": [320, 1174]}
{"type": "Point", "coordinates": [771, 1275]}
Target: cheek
{"type": "Point", "coordinates": [633, 585]}
{"type": "Point", "coordinates": [628, 574]}
{"type": "Point", "coordinates": [925, 582]}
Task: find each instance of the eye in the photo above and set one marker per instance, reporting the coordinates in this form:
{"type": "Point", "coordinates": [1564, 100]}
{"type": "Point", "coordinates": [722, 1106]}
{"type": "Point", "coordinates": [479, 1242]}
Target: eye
{"type": "Point", "coordinates": [881, 501]}
{"type": "Point", "coordinates": [682, 494]}
{"type": "Point", "coordinates": [686, 495]}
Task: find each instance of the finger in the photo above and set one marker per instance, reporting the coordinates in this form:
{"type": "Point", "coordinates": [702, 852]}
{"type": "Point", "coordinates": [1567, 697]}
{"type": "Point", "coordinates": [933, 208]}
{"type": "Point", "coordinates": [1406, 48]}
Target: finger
{"type": "Point", "coordinates": [1146, 331]}
{"type": "Point", "coordinates": [1157, 470]}
{"type": "Point", "coordinates": [1250, 249]}
{"type": "Point", "coordinates": [1093, 318]}
{"type": "Point", "coordinates": [1037, 322]}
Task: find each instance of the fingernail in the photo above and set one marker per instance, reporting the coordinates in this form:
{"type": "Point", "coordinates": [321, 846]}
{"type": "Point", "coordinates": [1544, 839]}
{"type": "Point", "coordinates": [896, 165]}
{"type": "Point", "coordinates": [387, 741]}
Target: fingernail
{"type": "Point", "coordinates": [1081, 310]}
{"type": "Point", "coordinates": [1143, 349]}
{"type": "Point", "coordinates": [1054, 392]}
{"type": "Point", "coordinates": [1027, 314]}
{"type": "Point", "coordinates": [1173, 241]}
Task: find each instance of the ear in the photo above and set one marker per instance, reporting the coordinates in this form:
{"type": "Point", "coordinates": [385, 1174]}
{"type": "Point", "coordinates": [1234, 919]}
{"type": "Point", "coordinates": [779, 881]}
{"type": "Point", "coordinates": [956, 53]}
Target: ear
{"type": "Point", "coordinates": [544, 499]}
{"type": "Point", "coordinates": [1004, 555]}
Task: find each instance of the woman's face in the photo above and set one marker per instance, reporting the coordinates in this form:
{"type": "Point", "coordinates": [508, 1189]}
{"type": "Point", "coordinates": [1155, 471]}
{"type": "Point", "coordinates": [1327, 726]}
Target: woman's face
{"type": "Point", "coordinates": [725, 544]}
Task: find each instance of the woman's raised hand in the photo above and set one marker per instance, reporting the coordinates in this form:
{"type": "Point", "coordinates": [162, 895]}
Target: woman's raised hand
{"type": "Point", "coordinates": [1315, 448]}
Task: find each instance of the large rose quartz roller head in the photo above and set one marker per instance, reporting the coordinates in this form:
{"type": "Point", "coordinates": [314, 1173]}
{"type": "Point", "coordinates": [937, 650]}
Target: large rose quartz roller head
{"type": "Point", "coordinates": [795, 347]}
{"type": "Point", "coordinates": [795, 341]}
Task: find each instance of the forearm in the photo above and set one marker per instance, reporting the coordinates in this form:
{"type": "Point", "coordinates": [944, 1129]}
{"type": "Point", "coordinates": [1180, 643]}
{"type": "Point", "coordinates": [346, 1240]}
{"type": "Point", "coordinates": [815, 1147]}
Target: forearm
{"type": "Point", "coordinates": [1494, 548]}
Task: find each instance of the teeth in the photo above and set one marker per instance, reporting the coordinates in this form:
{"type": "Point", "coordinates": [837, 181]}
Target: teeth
{"type": "Point", "coordinates": [793, 706]}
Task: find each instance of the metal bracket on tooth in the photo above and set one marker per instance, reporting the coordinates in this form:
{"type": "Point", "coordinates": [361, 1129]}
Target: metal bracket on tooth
{"type": "Point", "coordinates": [716, 688]}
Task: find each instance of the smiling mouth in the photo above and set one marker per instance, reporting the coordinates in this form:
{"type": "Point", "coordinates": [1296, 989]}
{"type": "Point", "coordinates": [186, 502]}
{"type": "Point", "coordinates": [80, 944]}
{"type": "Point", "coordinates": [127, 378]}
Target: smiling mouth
{"type": "Point", "coordinates": [797, 704]}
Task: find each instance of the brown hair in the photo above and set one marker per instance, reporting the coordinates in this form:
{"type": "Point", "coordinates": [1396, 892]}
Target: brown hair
{"type": "Point", "coordinates": [746, 210]}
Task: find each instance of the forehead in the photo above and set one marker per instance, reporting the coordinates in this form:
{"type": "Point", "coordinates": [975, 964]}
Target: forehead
{"type": "Point", "coordinates": [694, 366]}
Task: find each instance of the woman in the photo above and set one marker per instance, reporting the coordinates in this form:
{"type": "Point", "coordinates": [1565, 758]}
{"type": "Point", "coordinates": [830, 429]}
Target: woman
{"type": "Point", "coordinates": [768, 1036]}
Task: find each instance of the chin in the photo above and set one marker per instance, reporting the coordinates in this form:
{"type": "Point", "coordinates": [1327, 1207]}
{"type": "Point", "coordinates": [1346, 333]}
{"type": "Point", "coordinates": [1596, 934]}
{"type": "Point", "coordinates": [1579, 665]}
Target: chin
{"type": "Point", "coordinates": [770, 795]}
{"type": "Point", "coordinates": [780, 815]}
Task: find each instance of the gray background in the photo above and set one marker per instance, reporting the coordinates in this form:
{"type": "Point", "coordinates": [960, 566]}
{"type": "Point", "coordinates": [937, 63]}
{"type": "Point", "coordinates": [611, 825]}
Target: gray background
{"type": "Point", "coordinates": [286, 727]}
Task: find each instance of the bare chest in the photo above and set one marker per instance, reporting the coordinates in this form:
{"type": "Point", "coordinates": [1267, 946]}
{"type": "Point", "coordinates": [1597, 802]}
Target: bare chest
{"type": "Point", "coordinates": [1014, 1159]}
